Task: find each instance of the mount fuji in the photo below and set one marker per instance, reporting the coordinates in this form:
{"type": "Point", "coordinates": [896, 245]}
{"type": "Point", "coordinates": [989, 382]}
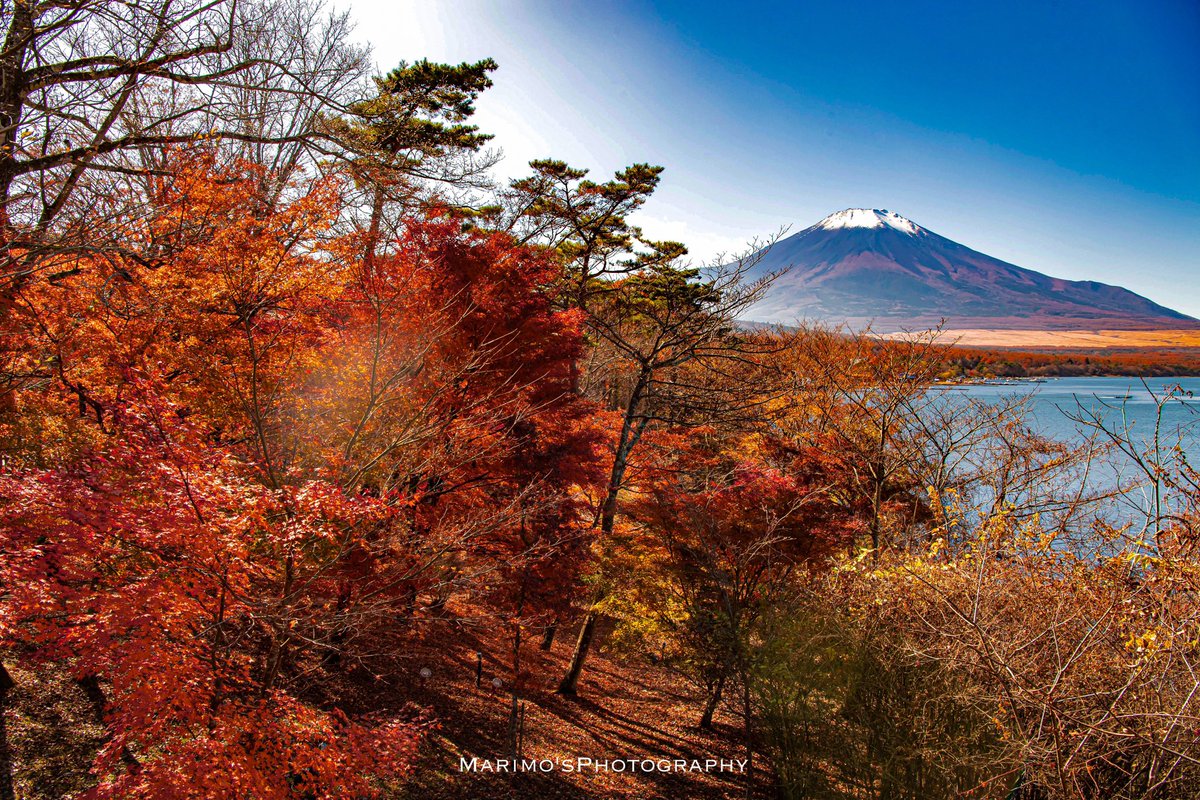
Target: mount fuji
{"type": "Point", "coordinates": [862, 266]}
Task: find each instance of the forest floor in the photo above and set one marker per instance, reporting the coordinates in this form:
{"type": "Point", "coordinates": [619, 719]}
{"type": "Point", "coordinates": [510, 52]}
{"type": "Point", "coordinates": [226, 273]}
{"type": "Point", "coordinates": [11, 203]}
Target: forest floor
{"type": "Point", "coordinates": [622, 711]}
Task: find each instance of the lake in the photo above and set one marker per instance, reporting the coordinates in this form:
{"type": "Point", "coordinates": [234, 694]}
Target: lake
{"type": "Point", "coordinates": [1123, 404]}
{"type": "Point", "coordinates": [1115, 399]}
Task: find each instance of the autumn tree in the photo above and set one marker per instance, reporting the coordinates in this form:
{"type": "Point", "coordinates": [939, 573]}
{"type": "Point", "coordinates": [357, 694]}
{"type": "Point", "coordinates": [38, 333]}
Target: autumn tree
{"type": "Point", "coordinates": [663, 331]}
{"type": "Point", "coordinates": [668, 336]}
{"type": "Point", "coordinates": [176, 581]}
{"type": "Point", "coordinates": [737, 519]}
{"type": "Point", "coordinates": [861, 399]}
{"type": "Point", "coordinates": [288, 447]}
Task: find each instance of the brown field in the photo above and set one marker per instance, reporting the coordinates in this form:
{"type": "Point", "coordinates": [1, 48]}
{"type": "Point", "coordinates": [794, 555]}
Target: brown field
{"type": "Point", "coordinates": [1098, 339]}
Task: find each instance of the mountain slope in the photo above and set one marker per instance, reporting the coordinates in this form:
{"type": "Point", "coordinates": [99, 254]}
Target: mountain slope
{"type": "Point", "coordinates": [867, 265]}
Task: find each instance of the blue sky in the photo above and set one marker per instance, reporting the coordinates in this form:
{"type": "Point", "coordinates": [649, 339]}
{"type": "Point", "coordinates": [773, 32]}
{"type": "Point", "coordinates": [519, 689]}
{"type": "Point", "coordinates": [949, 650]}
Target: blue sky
{"type": "Point", "coordinates": [1061, 136]}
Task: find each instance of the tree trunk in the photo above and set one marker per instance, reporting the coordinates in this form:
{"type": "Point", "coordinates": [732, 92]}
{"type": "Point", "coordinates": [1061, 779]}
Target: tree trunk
{"type": "Point", "coordinates": [632, 429]}
{"type": "Point", "coordinates": [372, 246]}
{"type": "Point", "coordinates": [630, 434]}
{"type": "Point", "coordinates": [333, 656]}
{"type": "Point", "coordinates": [749, 735]}
{"type": "Point", "coordinates": [514, 715]}
{"type": "Point", "coordinates": [571, 681]}
{"type": "Point", "coordinates": [548, 635]}
{"type": "Point", "coordinates": [876, 503]}
{"type": "Point", "coordinates": [7, 792]}
{"type": "Point", "coordinates": [514, 745]}
{"type": "Point", "coordinates": [13, 83]}
{"type": "Point", "coordinates": [90, 684]}
{"type": "Point", "coordinates": [710, 708]}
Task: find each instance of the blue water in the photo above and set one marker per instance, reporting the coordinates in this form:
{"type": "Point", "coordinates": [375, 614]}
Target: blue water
{"type": "Point", "coordinates": [1125, 402]}
{"type": "Point", "coordinates": [1127, 406]}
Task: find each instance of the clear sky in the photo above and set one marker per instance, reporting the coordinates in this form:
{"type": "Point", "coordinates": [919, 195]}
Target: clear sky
{"type": "Point", "coordinates": [1059, 135]}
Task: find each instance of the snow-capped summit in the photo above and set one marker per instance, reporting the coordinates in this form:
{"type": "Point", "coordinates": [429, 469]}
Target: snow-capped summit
{"type": "Point", "coordinates": [869, 218]}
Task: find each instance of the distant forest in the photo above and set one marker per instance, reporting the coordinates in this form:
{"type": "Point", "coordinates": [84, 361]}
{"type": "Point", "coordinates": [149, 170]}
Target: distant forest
{"type": "Point", "coordinates": [972, 362]}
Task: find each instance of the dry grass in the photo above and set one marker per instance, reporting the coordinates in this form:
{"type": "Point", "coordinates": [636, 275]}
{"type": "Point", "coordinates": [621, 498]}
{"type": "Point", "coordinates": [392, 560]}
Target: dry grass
{"type": "Point", "coordinates": [1097, 339]}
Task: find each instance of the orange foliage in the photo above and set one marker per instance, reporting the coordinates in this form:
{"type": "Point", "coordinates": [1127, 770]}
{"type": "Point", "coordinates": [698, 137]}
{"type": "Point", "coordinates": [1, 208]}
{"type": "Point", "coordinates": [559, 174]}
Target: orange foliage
{"type": "Point", "coordinates": [243, 455]}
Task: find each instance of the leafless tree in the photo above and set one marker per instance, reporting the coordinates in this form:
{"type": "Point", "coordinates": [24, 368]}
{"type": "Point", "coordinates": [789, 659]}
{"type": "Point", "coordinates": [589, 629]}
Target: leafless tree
{"type": "Point", "coordinates": [94, 93]}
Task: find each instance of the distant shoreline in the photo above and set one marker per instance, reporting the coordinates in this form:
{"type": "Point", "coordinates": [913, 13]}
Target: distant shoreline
{"type": "Point", "coordinates": [1102, 339]}
{"type": "Point", "coordinates": [956, 384]}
